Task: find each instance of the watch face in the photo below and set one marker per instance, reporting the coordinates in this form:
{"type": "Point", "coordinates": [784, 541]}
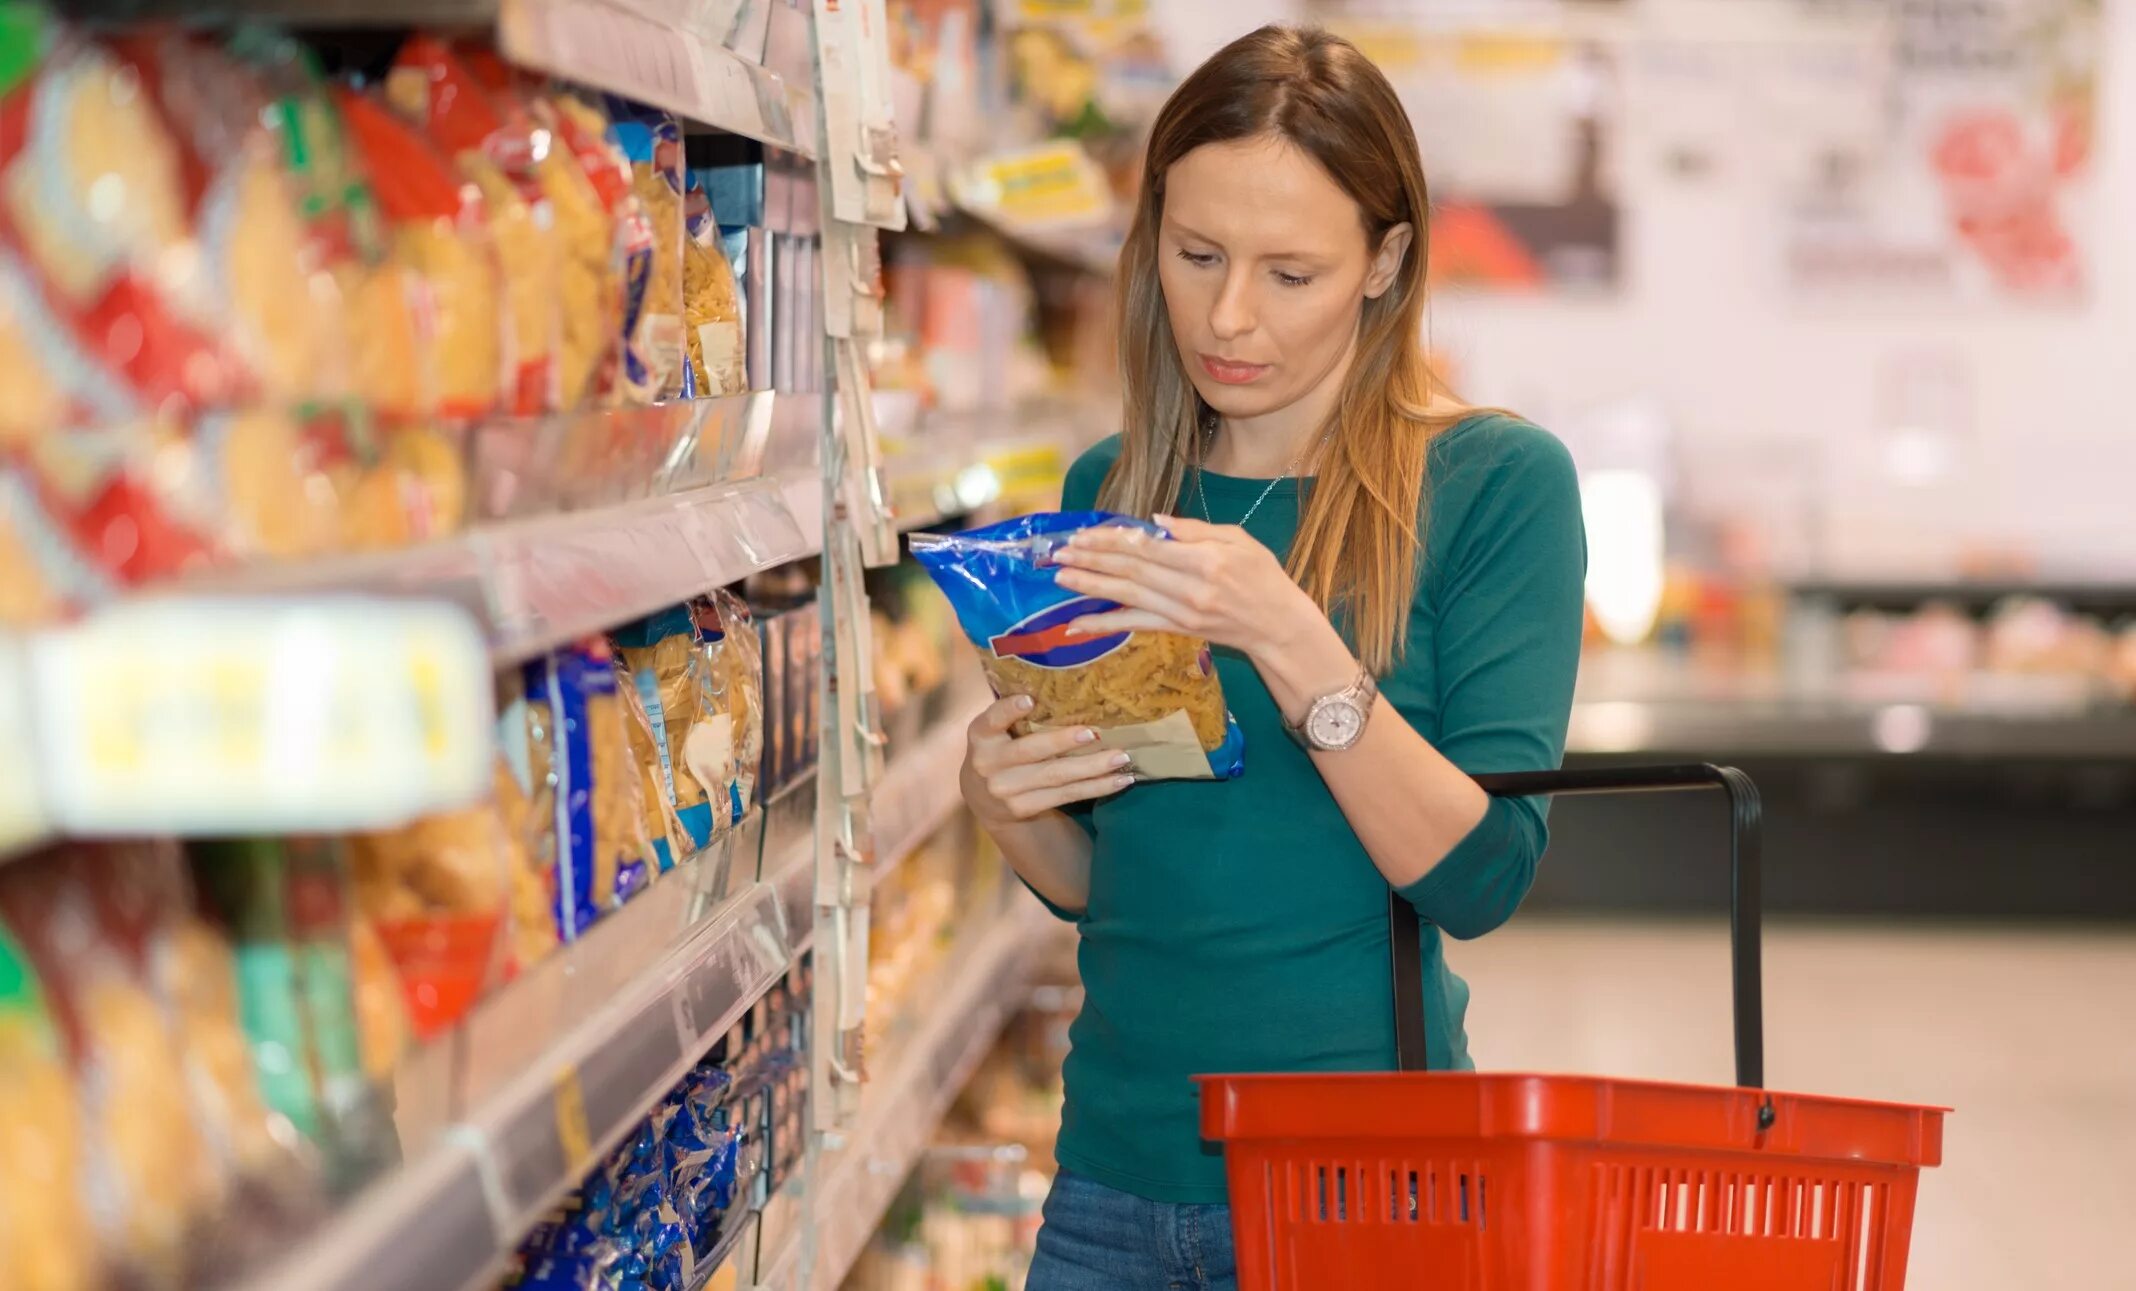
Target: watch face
{"type": "Point", "coordinates": [1335, 724]}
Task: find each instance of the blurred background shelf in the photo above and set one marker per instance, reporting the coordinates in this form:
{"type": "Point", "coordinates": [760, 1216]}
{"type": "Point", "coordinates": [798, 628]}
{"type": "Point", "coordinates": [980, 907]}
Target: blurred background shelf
{"type": "Point", "coordinates": [920, 789]}
{"type": "Point", "coordinates": [663, 54]}
{"type": "Point", "coordinates": [905, 1102]}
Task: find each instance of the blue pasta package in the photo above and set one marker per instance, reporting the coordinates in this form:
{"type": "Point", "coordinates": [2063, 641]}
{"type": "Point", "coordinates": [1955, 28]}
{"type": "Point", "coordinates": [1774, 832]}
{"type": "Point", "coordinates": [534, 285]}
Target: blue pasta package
{"type": "Point", "coordinates": [603, 856]}
{"type": "Point", "coordinates": [1153, 695]}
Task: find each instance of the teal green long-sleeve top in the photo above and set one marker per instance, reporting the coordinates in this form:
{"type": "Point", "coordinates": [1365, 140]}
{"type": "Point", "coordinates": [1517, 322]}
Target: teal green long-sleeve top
{"type": "Point", "coordinates": [1239, 926]}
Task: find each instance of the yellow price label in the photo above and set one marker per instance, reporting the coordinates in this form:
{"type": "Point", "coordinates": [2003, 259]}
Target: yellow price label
{"type": "Point", "coordinates": [237, 694]}
{"type": "Point", "coordinates": [426, 686]}
{"type": "Point", "coordinates": [571, 1129]}
{"type": "Point", "coordinates": [113, 741]}
{"type": "Point", "coordinates": [1508, 52]}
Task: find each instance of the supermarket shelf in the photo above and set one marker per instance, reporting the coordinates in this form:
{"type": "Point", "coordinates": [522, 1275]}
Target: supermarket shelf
{"type": "Point", "coordinates": [789, 861]}
{"type": "Point", "coordinates": [630, 49]}
{"type": "Point", "coordinates": [1092, 251]}
{"type": "Point", "coordinates": [538, 583]}
{"type": "Point", "coordinates": [945, 465]}
{"type": "Point", "coordinates": [926, 489]}
{"type": "Point", "coordinates": [904, 1105]}
{"type": "Point", "coordinates": [1722, 729]}
{"type": "Point", "coordinates": [782, 1236]}
{"type": "Point", "coordinates": [1974, 596]}
{"type": "Point", "coordinates": [611, 47]}
{"type": "Point", "coordinates": [553, 1071]}
{"type": "Point", "coordinates": [919, 792]}
{"type": "Point", "coordinates": [731, 1244]}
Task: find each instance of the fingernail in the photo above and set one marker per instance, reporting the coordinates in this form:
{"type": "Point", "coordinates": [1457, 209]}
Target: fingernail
{"type": "Point", "coordinates": [1085, 737]}
{"type": "Point", "coordinates": [1122, 781]}
{"type": "Point", "coordinates": [1119, 760]}
{"type": "Point", "coordinates": [1026, 703]}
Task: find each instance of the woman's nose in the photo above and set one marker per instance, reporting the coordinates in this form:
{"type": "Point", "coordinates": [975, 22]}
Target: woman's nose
{"type": "Point", "coordinates": [1232, 313]}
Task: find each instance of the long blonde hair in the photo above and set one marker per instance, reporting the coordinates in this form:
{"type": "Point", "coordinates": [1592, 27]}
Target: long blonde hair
{"type": "Point", "coordinates": [1358, 537]}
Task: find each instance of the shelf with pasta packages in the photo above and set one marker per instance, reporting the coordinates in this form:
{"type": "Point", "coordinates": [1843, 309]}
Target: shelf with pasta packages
{"type": "Point", "coordinates": [333, 318]}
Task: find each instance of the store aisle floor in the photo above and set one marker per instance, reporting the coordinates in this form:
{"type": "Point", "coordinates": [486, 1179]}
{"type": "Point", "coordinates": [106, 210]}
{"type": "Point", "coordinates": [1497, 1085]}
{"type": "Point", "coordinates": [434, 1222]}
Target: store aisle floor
{"type": "Point", "coordinates": [2029, 1034]}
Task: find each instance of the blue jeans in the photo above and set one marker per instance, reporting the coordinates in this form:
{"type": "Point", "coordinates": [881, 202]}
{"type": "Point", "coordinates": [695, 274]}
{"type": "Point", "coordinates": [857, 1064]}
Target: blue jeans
{"type": "Point", "coordinates": [1096, 1238]}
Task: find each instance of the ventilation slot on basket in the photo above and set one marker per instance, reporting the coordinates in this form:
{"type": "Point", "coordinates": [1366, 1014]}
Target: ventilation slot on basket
{"type": "Point", "coordinates": [1845, 1218]}
{"type": "Point", "coordinates": [1350, 1192]}
{"type": "Point", "coordinates": [1415, 1194]}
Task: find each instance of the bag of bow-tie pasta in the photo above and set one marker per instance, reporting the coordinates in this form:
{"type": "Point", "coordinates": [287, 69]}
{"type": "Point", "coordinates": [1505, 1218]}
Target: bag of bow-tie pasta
{"type": "Point", "coordinates": [1153, 694]}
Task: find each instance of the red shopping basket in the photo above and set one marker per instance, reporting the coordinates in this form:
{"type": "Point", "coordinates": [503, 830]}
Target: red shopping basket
{"type": "Point", "coordinates": [1492, 1182]}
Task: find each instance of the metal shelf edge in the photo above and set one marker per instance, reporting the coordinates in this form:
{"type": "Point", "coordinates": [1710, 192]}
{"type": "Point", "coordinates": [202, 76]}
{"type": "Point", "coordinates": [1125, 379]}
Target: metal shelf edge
{"type": "Point", "coordinates": [610, 47]}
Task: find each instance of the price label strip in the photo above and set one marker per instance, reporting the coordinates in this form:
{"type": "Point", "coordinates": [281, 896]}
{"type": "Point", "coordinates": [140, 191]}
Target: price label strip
{"type": "Point", "coordinates": [572, 1132]}
{"type": "Point", "coordinates": [1048, 186]}
{"type": "Point", "coordinates": [199, 715]}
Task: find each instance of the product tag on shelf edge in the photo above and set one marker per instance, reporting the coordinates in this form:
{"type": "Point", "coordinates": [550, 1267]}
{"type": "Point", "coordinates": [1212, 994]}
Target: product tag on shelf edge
{"type": "Point", "coordinates": [1052, 185]}
{"type": "Point", "coordinates": [573, 1135]}
{"type": "Point", "coordinates": [852, 280]}
{"type": "Point", "coordinates": [198, 715]}
{"type": "Point", "coordinates": [859, 135]}
{"type": "Point", "coordinates": [861, 487]}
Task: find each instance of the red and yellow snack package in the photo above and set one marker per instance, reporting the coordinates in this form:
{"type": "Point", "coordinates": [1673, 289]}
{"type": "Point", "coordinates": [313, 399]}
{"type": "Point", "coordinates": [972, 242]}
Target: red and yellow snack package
{"type": "Point", "coordinates": [93, 206]}
{"type": "Point", "coordinates": [496, 147]}
{"type": "Point", "coordinates": [439, 235]}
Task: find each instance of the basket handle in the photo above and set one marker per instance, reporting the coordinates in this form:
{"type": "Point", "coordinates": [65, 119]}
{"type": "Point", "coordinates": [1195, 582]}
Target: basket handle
{"type": "Point", "coordinates": [1745, 917]}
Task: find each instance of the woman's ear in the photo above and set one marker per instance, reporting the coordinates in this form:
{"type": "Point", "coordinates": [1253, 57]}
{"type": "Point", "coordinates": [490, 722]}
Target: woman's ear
{"type": "Point", "coordinates": [1387, 261]}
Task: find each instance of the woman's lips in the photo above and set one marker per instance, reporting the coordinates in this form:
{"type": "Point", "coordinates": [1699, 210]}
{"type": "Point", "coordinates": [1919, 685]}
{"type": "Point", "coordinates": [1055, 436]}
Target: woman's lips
{"type": "Point", "coordinates": [1231, 374]}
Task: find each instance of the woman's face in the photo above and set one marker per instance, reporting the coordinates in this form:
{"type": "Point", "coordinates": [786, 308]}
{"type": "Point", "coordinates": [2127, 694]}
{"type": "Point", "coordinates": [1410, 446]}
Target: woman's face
{"type": "Point", "coordinates": [1265, 268]}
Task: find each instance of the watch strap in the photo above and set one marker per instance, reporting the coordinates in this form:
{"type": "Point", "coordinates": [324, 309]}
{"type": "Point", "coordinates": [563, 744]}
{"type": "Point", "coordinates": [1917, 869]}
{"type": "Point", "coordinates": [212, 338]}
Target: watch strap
{"type": "Point", "coordinates": [1363, 691]}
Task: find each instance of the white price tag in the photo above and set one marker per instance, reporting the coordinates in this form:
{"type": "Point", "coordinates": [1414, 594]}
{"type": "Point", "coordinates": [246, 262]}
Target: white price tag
{"type": "Point", "coordinates": [195, 716]}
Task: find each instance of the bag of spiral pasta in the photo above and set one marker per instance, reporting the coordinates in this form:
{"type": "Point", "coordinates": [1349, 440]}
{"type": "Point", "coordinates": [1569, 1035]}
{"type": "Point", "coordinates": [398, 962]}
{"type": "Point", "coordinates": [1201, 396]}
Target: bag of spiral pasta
{"type": "Point", "coordinates": [1153, 694]}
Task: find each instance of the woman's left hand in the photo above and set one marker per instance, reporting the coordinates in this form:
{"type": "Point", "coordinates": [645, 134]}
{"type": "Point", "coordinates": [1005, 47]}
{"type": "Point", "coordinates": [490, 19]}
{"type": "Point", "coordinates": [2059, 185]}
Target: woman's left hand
{"type": "Point", "coordinates": [1210, 581]}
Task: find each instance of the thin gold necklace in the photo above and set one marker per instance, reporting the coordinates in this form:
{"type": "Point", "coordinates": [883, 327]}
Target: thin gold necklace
{"type": "Point", "coordinates": [1201, 490]}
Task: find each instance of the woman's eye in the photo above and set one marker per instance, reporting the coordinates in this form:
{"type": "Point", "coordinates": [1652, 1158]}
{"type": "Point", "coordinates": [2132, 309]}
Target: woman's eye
{"type": "Point", "coordinates": [1203, 258]}
{"type": "Point", "coordinates": [1292, 279]}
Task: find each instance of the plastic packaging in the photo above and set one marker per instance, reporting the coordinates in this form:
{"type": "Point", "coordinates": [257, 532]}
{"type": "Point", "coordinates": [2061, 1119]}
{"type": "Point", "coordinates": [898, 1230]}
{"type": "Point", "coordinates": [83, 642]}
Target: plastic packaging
{"type": "Point", "coordinates": [735, 669]}
{"type": "Point", "coordinates": [603, 853]}
{"type": "Point", "coordinates": [653, 144]}
{"type": "Point", "coordinates": [691, 762]}
{"type": "Point", "coordinates": [440, 237]}
{"type": "Point", "coordinates": [46, 1243]}
{"type": "Point", "coordinates": [438, 892]}
{"type": "Point", "coordinates": [583, 220]}
{"type": "Point", "coordinates": [1153, 694]}
{"type": "Point", "coordinates": [496, 146]}
{"type": "Point", "coordinates": [626, 269]}
{"type": "Point", "coordinates": [375, 329]}
{"type": "Point", "coordinates": [87, 921]}
{"type": "Point", "coordinates": [93, 207]}
{"type": "Point", "coordinates": [525, 800]}
{"type": "Point", "coordinates": [712, 307]}
{"type": "Point", "coordinates": [279, 309]}
{"type": "Point", "coordinates": [282, 904]}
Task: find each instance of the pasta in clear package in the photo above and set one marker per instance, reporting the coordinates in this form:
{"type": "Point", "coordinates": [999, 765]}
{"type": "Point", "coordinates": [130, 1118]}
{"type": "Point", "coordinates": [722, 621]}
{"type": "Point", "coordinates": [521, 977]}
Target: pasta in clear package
{"type": "Point", "coordinates": [1153, 694]}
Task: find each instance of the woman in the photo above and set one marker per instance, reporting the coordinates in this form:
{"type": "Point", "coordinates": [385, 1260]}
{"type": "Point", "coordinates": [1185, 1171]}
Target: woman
{"type": "Point", "coordinates": [1393, 586]}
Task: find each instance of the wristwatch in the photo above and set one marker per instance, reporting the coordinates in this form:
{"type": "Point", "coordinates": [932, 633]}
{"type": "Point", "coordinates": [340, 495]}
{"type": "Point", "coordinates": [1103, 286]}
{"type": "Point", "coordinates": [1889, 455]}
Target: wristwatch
{"type": "Point", "coordinates": [1336, 721]}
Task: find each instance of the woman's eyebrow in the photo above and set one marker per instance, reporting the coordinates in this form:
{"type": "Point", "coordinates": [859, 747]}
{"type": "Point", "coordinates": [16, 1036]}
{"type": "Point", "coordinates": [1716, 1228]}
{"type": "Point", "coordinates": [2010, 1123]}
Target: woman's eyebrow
{"type": "Point", "coordinates": [1301, 257]}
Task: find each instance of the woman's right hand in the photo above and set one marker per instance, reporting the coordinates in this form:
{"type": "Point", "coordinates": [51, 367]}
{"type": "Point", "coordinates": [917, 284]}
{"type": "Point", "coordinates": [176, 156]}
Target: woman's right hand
{"type": "Point", "coordinates": [1008, 778]}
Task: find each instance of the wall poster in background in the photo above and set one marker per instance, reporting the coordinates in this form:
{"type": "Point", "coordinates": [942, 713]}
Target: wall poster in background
{"type": "Point", "coordinates": [1978, 182]}
{"type": "Point", "coordinates": [1517, 127]}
